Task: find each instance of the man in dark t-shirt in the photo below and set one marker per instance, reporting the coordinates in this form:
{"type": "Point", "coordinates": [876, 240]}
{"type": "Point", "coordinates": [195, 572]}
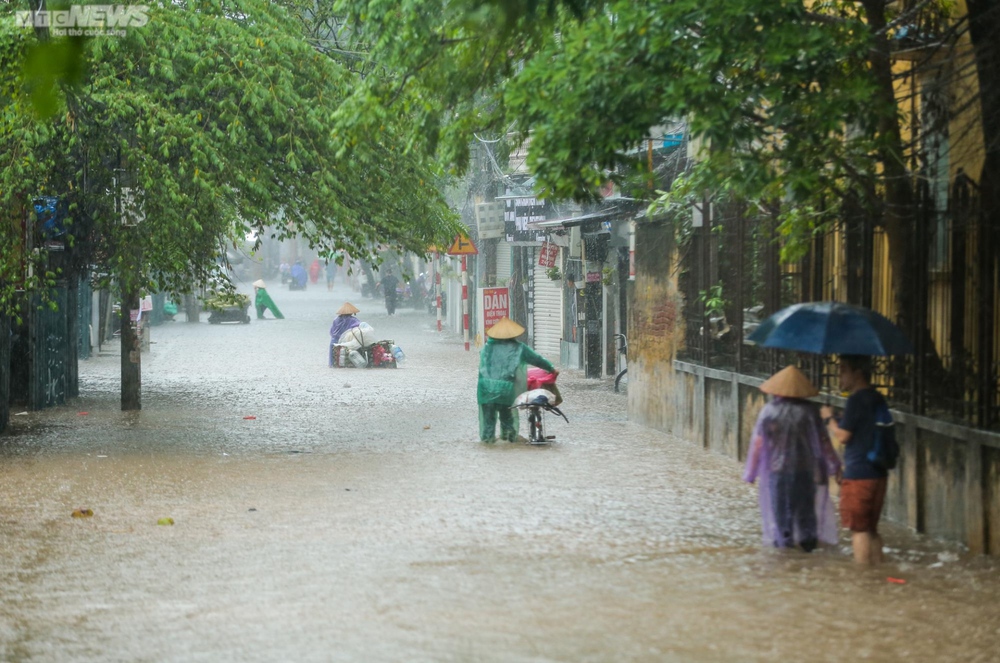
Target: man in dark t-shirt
{"type": "Point", "coordinates": [389, 283]}
{"type": "Point", "coordinates": [862, 490]}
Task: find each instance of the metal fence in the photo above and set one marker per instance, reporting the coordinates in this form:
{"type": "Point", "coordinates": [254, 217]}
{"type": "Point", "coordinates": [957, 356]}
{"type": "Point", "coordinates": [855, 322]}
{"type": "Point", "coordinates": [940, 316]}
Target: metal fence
{"type": "Point", "coordinates": [731, 277]}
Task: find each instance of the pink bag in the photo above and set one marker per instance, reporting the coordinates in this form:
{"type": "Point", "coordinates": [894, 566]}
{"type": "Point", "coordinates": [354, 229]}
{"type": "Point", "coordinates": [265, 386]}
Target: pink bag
{"type": "Point", "coordinates": [539, 378]}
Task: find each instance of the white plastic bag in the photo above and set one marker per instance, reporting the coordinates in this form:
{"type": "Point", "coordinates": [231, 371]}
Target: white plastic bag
{"type": "Point", "coordinates": [349, 341]}
{"type": "Point", "coordinates": [358, 337]}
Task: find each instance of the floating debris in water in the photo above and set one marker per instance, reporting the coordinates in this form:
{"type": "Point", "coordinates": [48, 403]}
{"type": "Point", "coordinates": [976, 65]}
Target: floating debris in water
{"type": "Point", "coordinates": [249, 416]}
{"type": "Point", "coordinates": [82, 513]}
{"type": "Point", "coordinates": [165, 521]}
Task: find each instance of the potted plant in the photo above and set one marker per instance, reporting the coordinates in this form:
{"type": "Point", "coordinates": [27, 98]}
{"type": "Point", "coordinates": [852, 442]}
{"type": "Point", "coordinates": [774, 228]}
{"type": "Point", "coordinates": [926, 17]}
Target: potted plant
{"type": "Point", "coordinates": [554, 273]}
{"type": "Point", "coordinates": [607, 277]}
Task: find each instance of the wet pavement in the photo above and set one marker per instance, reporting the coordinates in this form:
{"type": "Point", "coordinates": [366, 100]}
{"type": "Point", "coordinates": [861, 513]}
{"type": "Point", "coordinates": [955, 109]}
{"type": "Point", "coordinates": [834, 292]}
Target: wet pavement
{"type": "Point", "coordinates": [357, 518]}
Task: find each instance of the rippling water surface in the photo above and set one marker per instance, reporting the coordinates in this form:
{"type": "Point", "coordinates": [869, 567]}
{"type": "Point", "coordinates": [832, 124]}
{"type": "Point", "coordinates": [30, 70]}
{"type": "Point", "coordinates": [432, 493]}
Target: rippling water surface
{"type": "Point", "coordinates": [356, 518]}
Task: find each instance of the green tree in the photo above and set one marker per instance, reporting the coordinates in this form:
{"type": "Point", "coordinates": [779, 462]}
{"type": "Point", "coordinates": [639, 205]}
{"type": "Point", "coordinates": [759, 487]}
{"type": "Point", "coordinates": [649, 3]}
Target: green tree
{"type": "Point", "coordinates": [770, 86]}
{"type": "Point", "coordinates": [186, 134]}
{"type": "Point", "coordinates": [794, 104]}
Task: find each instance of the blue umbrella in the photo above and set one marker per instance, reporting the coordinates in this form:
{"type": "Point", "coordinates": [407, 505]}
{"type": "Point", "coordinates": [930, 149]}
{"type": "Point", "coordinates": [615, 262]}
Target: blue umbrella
{"type": "Point", "coordinates": [831, 328]}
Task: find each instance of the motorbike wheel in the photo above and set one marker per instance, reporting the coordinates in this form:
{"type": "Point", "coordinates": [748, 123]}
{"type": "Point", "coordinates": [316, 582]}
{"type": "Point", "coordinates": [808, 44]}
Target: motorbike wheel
{"type": "Point", "coordinates": [535, 433]}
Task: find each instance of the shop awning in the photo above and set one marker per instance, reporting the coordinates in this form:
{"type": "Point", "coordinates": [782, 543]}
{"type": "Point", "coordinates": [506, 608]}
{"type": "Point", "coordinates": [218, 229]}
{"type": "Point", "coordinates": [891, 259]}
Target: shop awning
{"type": "Point", "coordinates": [571, 221]}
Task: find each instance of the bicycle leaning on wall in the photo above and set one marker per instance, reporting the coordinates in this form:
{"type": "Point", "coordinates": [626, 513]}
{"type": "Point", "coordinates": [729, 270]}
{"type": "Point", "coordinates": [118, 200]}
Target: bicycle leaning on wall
{"type": "Point", "coordinates": [621, 380]}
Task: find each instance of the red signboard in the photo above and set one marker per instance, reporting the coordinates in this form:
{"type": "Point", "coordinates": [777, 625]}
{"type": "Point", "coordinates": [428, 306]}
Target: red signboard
{"type": "Point", "coordinates": [593, 277]}
{"type": "Point", "coordinates": [548, 255]}
{"type": "Point", "coordinates": [494, 303]}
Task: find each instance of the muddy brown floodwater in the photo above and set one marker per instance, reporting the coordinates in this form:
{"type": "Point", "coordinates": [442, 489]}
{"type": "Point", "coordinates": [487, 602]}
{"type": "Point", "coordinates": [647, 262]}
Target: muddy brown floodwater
{"type": "Point", "coordinates": [357, 518]}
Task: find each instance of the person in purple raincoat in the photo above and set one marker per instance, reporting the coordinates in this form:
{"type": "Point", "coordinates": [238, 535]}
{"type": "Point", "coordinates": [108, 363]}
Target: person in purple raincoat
{"type": "Point", "coordinates": [792, 460]}
{"type": "Point", "coordinates": [345, 320]}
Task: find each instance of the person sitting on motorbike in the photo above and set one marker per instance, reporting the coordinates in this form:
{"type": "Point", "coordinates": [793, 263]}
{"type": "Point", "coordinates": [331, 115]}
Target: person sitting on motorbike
{"type": "Point", "coordinates": [502, 376]}
{"type": "Point", "coordinates": [299, 276]}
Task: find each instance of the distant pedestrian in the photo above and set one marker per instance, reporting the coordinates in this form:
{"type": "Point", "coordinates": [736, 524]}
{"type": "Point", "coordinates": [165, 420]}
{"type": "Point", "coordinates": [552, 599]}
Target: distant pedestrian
{"type": "Point", "coordinates": [502, 376]}
{"type": "Point", "coordinates": [331, 272]}
{"type": "Point", "coordinates": [792, 460]}
{"type": "Point", "coordinates": [389, 283]}
{"type": "Point", "coordinates": [862, 492]}
{"type": "Point", "coordinates": [263, 301]}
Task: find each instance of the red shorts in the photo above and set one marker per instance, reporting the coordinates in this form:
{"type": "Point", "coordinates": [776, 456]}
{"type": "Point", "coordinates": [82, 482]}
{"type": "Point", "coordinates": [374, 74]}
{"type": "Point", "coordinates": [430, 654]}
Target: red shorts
{"type": "Point", "coordinates": [861, 503]}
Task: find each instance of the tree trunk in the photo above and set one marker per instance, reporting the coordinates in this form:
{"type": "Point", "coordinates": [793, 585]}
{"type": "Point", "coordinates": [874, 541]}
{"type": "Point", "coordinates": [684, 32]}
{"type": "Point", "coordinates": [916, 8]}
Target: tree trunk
{"type": "Point", "coordinates": [192, 308]}
{"type": "Point", "coordinates": [5, 334]}
{"type": "Point", "coordinates": [131, 365]}
{"type": "Point", "coordinates": [984, 29]}
{"type": "Point", "coordinates": [897, 210]}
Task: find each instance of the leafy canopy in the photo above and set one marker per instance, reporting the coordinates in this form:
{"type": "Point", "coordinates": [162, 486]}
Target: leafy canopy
{"type": "Point", "coordinates": [212, 122]}
{"type": "Point", "coordinates": [780, 95]}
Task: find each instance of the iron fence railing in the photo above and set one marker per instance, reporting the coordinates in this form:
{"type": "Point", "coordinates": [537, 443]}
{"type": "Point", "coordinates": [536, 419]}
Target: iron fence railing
{"type": "Point", "coordinates": [731, 278]}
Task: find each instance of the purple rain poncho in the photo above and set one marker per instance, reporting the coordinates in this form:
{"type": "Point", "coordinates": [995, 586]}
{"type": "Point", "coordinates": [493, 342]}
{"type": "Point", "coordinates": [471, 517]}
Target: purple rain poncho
{"type": "Point", "coordinates": [793, 459]}
{"type": "Point", "coordinates": [341, 324]}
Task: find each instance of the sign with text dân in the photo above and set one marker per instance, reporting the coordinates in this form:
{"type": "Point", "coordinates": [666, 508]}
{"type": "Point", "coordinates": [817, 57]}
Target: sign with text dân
{"type": "Point", "coordinates": [494, 303]}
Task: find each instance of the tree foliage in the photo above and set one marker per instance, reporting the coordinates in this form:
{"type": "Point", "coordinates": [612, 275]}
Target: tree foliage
{"type": "Point", "coordinates": [790, 103]}
{"type": "Point", "coordinates": [213, 121]}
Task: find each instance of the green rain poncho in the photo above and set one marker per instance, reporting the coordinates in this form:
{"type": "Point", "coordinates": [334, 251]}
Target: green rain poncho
{"type": "Point", "coordinates": [502, 376]}
{"type": "Point", "coordinates": [264, 302]}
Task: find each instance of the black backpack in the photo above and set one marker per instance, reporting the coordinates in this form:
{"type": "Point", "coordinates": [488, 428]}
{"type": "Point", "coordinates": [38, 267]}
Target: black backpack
{"type": "Point", "coordinates": [885, 451]}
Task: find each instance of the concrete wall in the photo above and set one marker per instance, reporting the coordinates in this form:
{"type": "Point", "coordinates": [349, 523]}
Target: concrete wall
{"type": "Point", "coordinates": [947, 484]}
{"type": "Point", "coordinates": [658, 398]}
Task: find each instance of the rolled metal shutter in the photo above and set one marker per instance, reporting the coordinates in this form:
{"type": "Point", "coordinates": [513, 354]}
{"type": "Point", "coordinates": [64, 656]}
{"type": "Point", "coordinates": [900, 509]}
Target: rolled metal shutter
{"type": "Point", "coordinates": [547, 332]}
{"type": "Point", "coordinates": [503, 261]}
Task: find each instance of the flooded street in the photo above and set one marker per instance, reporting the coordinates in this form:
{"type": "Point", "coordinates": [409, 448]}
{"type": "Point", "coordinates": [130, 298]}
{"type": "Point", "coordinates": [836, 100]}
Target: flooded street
{"type": "Point", "coordinates": [358, 518]}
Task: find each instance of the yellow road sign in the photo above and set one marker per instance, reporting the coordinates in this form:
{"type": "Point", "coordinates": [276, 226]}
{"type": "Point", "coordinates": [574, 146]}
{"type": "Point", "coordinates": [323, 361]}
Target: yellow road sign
{"type": "Point", "coordinates": [462, 246]}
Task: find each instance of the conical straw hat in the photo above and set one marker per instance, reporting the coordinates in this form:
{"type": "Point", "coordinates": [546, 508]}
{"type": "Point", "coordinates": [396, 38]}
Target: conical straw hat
{"type": "Point", "coordinates": [789, 382]}
{"type": "Point", "coordinates": [259, 283]}
{"type": "Point", "coordinates": [505, 329]}
{"type": "Point", "coordinates": [348, 309]}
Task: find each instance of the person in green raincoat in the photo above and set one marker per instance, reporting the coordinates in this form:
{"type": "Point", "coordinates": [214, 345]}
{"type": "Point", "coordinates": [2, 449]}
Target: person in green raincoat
{"type": "Point", "coordinates": [263, 301]}
{"type": "Point", "coordinates": [502, 376]}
